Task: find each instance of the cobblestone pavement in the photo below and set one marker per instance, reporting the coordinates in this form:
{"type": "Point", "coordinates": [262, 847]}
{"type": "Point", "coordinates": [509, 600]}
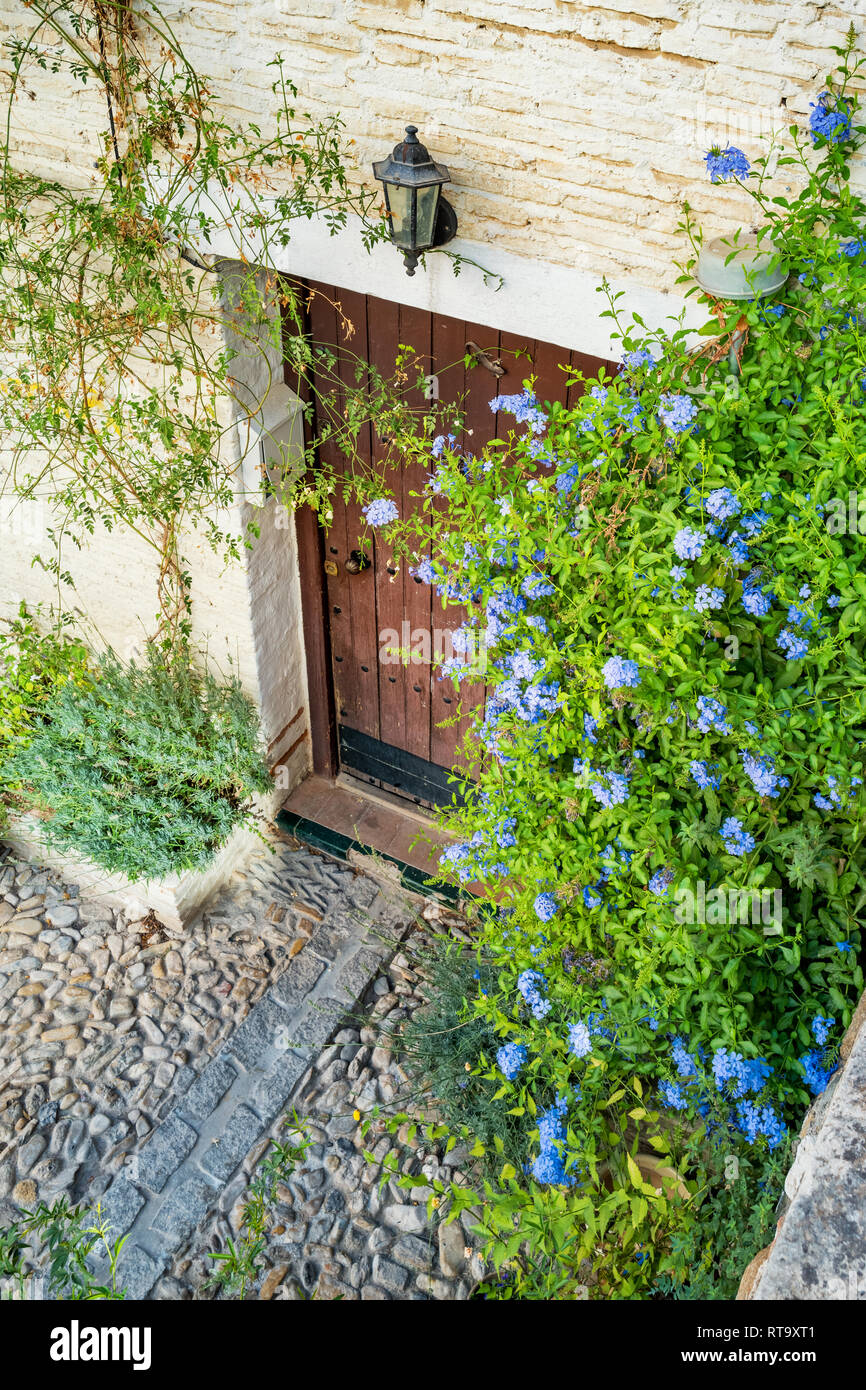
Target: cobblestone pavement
{"type": "Point", "coordinates": [147, 1067]}
{"type": "Point", "coordinates": [336, 1229]}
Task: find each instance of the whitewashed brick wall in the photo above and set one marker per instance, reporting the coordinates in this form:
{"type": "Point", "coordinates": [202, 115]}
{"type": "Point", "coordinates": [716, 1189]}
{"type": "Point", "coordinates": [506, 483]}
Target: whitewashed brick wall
{"type": "Point", "coordinates": [573, 130]}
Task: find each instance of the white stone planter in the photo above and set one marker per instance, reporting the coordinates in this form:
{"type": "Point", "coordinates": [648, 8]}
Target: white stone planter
{"type": "Point", "coordinates": [174, 899]}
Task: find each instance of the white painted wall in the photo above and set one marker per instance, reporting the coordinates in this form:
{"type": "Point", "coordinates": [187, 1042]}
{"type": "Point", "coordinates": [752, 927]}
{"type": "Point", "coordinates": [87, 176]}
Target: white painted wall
{"type": "Point", "coordinates": [552, 303]}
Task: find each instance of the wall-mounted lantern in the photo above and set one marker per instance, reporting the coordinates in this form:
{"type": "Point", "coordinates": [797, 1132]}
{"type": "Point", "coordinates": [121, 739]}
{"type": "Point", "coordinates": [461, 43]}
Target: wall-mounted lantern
{"type": "Point", "coordinates": [420, 217]}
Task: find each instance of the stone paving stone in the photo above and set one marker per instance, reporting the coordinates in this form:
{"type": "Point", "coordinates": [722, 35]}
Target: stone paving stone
{"type": "Point", "coordinates": [235, 1142]}
{"type": "Point", "coordinates": [357, 972]}
{"type": "Point", "coordinates": [271, 1093]}
{"type": "Point", "coordinates": [260, 1031]}
{"type": "Point", "coordinates": [415, 1253]}
{"type": "Point", "coordinates": [205, 1094]}
{"type": "Point", "coordinates": [137, 1272]}
{"type": "Point", "coordinates": [389, 1275]}
{"type": "Point", "coordinates": [184, 1208]}
{"type": "Point", "coordinates": [317, 1023]}
{"type": "Point", "coordinates": [163, 1153]}
{"type": "Point", "coordinates": [120, 1206]}
{"type": "Point", "coordinates": [330, 938]}
{"type": "Point", "coordinates": [303, 972]}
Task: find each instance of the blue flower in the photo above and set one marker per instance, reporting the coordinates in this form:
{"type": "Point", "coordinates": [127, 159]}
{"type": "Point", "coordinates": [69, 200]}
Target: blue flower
{"type": "Point", "coordinates": [579, 1039]}
{"type": "Point", "coordinates": [833, 601]}
{"type": "Point", "coordinates": [712, 714]}
{"type": "Point", "coordinates": [683, 1060]}
{"type": "Point", "coordinates": [757, 1121]}
{"type": "Point", "coordinates": [549, 1166]}
{"type": "Point", "coordinates": [677, 413]}
{"type": "Point", "coordinates": [510, 1059]}
{"type": "Point", "coordinates": [834, 797]}
{"type": "Point", "coordinates": [609, 788]}
{"type": "Point", "coordinates": [459, 857]}
{"type": "Point", "coordinates": [545, 906]}
{"type": "Point", "coordinates": [795, 648]}
{"type": "Point", "coordinates": [703, 775]}
{"type": "Point", "coordinates": [689, 544]}
{"type": "Point", "coordinates": [525, 409]}
{"type": "Point", "coordinates": [817, 1074]}
{"type": "Point", "coordinates": [722, 504]}
{"type": "Point", "coordinates": [738, 548]}
{"type": "Point", "coordinates": [762, 774]}
{"type": "Point", "coordinates": [737, 840]}
{"type": "Point", "coordinates": [830, 123]}
{"type": "Point", "coordinates": [755, 601]}
{"type": "Point", "coordinates": [641, 357]}
{"type": "Point", "coordinates": [707, 598]}
{"type": "Point", "coordinates": [753, 523]}
{"type": "Point", "coordinates": [425, 572]}
{"type": "Point", "coordinates": [727, 163]}
{"type": "Point", "coordinates": [381, 511]}
{"type": "Point", "coordinates": [734, 1074]}
{"type": "Point", "coordinates": [821, 1028]}
{"type": "Point", "coordinates": [619, 671]}
{"type": "Point", "coordinates": [844, 946]}
{"type": "Point", "coordinates": [661, 882]}
{"type": "Point", "coordinates": [530, 984]}
{"type": "Point", "coordinates": [440, 443]}
{"type": "Point", "coordinates": [673, 1096]}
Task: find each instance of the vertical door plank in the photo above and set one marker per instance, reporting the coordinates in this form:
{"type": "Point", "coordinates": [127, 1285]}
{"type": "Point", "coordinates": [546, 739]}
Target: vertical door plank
{"type": "Point", "coordinates": [314, 604]}
{"type": "Point", "coordinates": [415, 331]}
{"type": "Point", "coordinates": [352, 707]}
{"type": "Point", "coordinates": [550, 366]}
{"type": "Point", "coordinates": [383, 318]}
{"type": "Point", "coordinates": [360, 663]}
{"type": "Point", "coordinates": [453, 702]}
{"type": "Point", "coordinates": [323, 324]}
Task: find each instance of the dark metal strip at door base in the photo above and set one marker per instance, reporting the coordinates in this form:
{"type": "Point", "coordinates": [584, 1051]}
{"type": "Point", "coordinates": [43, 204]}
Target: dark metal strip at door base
{"type": "Point", "coordinates": [396, 769]}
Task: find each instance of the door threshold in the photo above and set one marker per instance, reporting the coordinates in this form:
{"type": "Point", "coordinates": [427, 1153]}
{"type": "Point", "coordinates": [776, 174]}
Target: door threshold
{"type": "Point", "coordinates": [344, 820]}
{"type": "Point", "coordinates": [401, 804]}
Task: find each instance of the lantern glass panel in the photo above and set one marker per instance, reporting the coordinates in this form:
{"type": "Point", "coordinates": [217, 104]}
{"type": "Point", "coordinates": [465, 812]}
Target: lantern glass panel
{"type": "Point", "coordinates": [400, 208]}
{"type": "Point", "coordinates": [428, 201]}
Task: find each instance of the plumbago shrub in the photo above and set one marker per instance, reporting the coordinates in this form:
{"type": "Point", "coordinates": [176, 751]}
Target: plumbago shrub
{"type": "Point", "coordinates": [665, 806]}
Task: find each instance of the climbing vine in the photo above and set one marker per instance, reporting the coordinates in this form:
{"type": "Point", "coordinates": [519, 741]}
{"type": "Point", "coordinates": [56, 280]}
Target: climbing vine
{"type": "Point", "coordinates": [117, 335]}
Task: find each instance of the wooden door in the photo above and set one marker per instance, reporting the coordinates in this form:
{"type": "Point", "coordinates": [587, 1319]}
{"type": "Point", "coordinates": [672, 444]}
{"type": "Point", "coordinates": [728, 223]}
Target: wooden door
{"type": "Point", "coordinates": [398, 725]}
